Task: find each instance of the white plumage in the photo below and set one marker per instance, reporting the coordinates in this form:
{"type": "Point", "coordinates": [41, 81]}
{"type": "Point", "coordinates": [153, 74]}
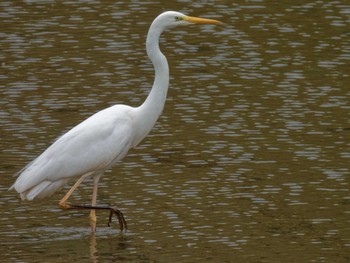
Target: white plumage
{"type": "Point", "coordinates": [90, 147]}
{"type": "Point", "coordinates": [97, 143]}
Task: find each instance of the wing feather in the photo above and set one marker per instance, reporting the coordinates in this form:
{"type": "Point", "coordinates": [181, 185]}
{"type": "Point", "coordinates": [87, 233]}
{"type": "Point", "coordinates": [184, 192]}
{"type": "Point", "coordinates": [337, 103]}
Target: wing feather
{"type": "Point", "coordinates": [90, 147]}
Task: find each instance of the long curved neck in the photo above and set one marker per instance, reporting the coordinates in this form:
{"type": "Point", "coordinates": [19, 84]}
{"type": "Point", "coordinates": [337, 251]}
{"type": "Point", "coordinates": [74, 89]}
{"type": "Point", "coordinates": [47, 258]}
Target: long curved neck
{"type": "Point", "coordinates": [156, 98]}
{"type": "Point", "coordinates": [151, 109]}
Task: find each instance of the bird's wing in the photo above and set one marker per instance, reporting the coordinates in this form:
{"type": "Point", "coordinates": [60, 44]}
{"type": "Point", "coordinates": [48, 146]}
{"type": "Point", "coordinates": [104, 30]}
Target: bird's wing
{"type": "Point", "coordinates": [90, 147]}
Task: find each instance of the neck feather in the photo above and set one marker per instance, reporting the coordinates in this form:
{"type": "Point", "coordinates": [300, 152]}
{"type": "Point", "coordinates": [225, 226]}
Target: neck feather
{"type": "Point", "coordinates": [158, 93]}
{"type": "Point", "coordinates": [151, 109]}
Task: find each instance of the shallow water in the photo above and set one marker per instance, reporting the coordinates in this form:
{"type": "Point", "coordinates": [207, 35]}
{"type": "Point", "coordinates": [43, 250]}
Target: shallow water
{"type": "Point", "coordinates": [248, 163]}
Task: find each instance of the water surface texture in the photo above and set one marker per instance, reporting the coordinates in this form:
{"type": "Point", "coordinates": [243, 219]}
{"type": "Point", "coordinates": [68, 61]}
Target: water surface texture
{"type": "Point", "coordinates": [248, 163]}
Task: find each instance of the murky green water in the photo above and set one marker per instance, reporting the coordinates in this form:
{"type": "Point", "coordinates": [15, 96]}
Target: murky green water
{"type": "Point", "coordinates": [248, 163]}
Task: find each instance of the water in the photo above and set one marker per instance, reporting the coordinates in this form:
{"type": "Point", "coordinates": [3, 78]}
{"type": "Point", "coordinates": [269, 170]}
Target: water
{"type": "Point", "coordinates": [248, 163]}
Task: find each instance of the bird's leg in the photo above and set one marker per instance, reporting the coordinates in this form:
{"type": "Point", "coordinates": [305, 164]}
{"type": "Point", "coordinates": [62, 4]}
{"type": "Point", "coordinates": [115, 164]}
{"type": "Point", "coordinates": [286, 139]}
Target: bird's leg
{"type": "Point", "coordinates": [93, 207]}
{"type": "Point", "coordinates": [93, 219]}
{"type": "Point", "coordinates": [112, 211]}
{"type": "Point", "coordinates": [63, 201]}
{"type": "Point", "coordinates": [116, 212]}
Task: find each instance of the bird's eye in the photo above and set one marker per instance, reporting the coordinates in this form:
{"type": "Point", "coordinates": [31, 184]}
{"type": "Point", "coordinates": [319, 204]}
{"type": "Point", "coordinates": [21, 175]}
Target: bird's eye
{"type": "Point", "coordinates": [177, 18]}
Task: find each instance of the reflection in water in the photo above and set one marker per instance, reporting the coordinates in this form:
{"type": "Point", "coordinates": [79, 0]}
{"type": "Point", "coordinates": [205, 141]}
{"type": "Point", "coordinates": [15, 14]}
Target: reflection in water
{"type": "Point", "coordinates": [249, 161]}
{"type": "Point", "coordinates": [116, 244]}
{"type": "Point", "coordinates": [93, 249]}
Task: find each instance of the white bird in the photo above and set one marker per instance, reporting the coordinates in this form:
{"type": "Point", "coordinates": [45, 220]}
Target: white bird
{"type": "Point", "coordinates": [97, 143]}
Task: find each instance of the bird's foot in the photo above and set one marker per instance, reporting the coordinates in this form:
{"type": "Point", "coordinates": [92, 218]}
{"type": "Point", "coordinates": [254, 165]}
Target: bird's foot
{"type": "Point", "coordinates": [122, 222]}
{"type": "Point", "coordinates": [113, 211]}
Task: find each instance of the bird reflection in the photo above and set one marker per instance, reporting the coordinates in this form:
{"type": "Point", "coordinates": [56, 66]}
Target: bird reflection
{"type": "Point", "coordinates": [117, 244]}
{"type": "Point", "coordinates": [93, 248]}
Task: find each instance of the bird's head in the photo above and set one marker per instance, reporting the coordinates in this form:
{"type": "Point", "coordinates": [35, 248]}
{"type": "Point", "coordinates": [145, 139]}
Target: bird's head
{"type": "Point", "coordinates": [172, 19]}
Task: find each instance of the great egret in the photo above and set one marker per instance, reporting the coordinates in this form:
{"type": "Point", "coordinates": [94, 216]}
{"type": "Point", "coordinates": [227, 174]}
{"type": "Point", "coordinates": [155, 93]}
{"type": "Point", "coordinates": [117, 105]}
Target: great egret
{"type": "Point", "coordinates": [94, 145]}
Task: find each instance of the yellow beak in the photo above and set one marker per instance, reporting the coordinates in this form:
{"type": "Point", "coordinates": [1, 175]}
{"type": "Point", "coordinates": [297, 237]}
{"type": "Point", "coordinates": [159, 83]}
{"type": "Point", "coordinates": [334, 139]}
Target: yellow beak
{"type": "Point", "coordinates": [198, 20]}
